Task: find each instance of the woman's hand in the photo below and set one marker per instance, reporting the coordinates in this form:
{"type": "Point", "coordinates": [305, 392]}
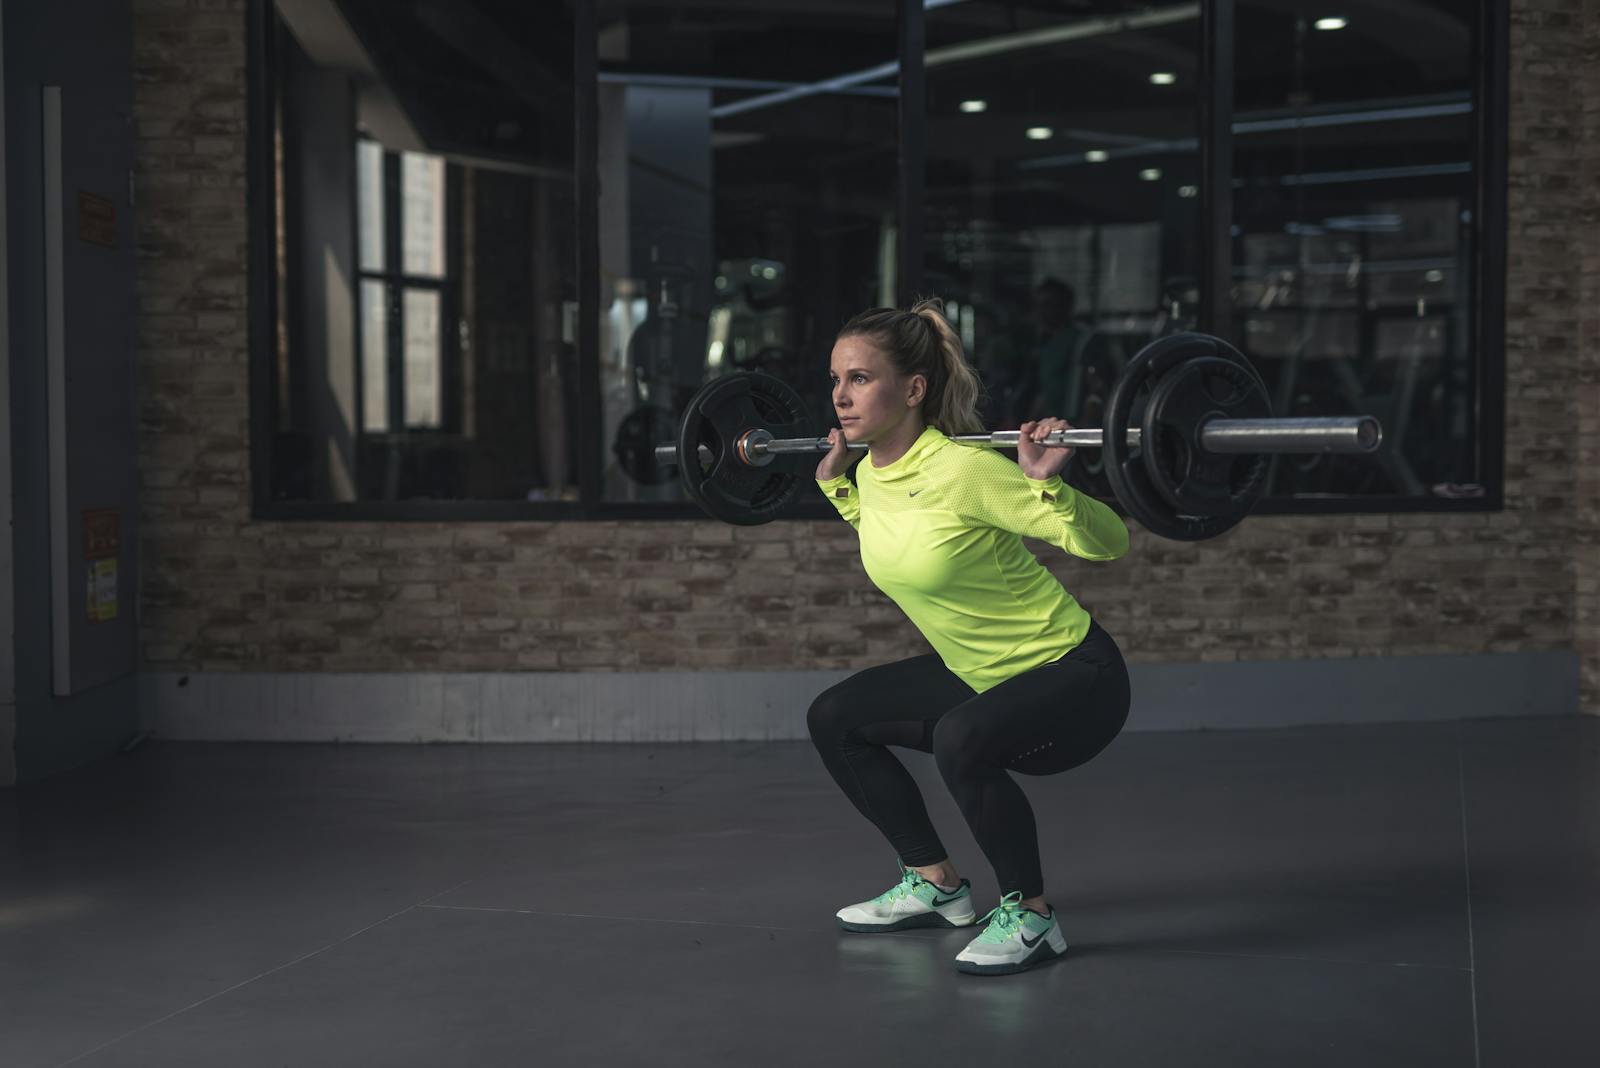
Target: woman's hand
{"type": "Point", "coordinates": [1037, 461]}
{"type": "Point", "coordinates": [837, 459]}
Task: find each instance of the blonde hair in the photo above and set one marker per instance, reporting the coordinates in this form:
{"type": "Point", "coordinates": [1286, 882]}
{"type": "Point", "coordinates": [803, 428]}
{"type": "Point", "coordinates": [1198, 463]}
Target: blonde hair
{"type": "Point", "coordinates": [921, 341]}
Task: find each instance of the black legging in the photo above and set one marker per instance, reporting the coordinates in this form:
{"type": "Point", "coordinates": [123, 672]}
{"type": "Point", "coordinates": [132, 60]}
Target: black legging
{"type": "Point", "coordinates": [1040, 722]}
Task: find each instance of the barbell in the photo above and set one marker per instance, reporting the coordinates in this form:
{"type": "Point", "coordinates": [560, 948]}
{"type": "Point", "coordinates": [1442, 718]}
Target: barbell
{"type": "Point", "coordinates": [1197, 436]}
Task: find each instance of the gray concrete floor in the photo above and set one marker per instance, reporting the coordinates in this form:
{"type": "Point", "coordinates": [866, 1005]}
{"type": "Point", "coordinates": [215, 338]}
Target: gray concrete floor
{"type": "Point", "coordinates": [1396, 895]}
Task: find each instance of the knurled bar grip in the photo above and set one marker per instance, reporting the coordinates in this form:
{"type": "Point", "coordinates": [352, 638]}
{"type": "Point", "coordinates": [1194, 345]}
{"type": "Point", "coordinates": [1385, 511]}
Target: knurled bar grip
{"type": "Point", "coordinates": [1339, 433]}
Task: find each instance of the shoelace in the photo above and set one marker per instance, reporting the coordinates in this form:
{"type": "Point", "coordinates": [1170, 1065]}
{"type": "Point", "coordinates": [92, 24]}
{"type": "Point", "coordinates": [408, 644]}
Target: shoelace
{"type": "Point", "coordinates": [908, 882]}
{"type": "Point", "coordinates": [1006, 919]}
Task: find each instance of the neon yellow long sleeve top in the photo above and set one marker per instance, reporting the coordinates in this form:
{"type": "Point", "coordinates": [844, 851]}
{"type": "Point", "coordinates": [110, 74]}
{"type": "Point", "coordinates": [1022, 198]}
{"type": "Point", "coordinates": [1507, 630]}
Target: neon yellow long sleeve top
{"type": "Point", "coordinates": [941, 534]}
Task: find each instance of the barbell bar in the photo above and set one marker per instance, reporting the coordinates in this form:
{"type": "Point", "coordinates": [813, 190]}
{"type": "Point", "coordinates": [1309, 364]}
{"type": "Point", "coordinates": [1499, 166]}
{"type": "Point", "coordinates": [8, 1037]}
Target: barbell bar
{"type": "Point", "coordinates": [1325, 434]}
{"type": "Point", "coordinates": [1191, 460]}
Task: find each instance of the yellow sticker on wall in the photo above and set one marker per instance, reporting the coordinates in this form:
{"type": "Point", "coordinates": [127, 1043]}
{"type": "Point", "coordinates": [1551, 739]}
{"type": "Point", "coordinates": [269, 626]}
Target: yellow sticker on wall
{"type": "Point", "coordinates": [102, 591]}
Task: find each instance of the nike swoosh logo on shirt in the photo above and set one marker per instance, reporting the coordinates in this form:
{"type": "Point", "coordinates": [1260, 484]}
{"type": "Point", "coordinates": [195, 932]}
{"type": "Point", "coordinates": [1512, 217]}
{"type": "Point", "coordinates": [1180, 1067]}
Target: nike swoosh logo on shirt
{"type": "Point", "coordinates": [915, 492]}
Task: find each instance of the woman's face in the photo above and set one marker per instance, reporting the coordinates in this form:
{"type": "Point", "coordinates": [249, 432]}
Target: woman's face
{"type": "Point", "coordinates": [869, 397]}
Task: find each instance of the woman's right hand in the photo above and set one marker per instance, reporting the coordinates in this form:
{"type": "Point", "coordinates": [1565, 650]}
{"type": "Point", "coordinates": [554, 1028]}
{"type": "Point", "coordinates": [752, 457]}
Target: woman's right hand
{"type": "Point", "coordinates": [837, 459]}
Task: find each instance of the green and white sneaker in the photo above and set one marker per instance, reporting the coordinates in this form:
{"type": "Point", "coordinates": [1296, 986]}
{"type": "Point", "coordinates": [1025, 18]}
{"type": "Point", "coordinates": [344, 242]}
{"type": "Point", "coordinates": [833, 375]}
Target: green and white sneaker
{"type": "Point", "coordinates": [911, 902]}
{"type": "Point", "coordinates": [1014, 941]}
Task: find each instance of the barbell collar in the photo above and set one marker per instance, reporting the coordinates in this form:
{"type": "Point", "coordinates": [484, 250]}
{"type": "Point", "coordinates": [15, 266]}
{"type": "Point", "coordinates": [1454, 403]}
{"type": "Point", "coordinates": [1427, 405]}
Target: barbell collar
{"type": "Point", "coordinates": [1322, 434]}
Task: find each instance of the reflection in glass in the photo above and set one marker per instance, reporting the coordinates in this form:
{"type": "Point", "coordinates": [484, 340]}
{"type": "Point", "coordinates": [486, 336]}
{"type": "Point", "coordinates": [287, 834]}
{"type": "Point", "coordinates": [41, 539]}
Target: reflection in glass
{"type": "Point", "coordinates": [1354, 233]}
{"type": "Point", "coordinates": [421, 318]}
{"type": "Point", "coordinates": [427, 235]}
{"type": "Point", "coordinates": [374, 357]}
{"type": "Point", "coordinates": [1062, 223]}
{"type": "Point", "coordinates": [747, 198]}
{"type": "Point", "coordinates": [369, 201]}
{"type": "Point", "coordinates": [424, 228]}
{"type": "Point", "coordinates": [422, 221]}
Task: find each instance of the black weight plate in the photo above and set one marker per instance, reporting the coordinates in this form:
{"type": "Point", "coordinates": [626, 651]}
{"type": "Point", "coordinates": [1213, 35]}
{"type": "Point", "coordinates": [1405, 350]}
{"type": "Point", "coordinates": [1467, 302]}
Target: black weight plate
{"type": "Point", "coordinates": [635, 446]}
{"type": "Point", "coordinates": [1086, 470]}
{"type": "Point", "coordinates": [1192, 480]}
{"type": "Point", "coordinates": [716, 417]}
{"type": "Point", "coordinates": [1125, 467]}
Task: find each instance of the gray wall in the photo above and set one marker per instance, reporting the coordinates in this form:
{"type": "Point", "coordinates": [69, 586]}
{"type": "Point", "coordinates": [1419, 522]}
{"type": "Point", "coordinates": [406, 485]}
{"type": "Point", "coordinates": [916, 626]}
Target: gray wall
{"type": "Point", "coordinates": [8, 676]}
{"type": "Point", "coordinates": [65, 718]}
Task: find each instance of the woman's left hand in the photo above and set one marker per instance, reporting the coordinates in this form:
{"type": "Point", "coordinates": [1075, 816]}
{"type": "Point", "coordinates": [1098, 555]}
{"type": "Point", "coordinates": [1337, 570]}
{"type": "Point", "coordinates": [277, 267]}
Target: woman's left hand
{"type": "Point", "coordinates": [1037, 461]}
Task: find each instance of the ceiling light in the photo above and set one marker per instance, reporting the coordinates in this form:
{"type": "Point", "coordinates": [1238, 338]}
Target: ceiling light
{"type": "Point", "coordinates": [1332, 24]}
{"type": "Point", "coordinates": [1188, 192]}
{"type": "Point", "coordinates": [1163, 77]}
{"type": "Point", "coordinates": [1040, 133]}
{"type": "Point", "coordinates": [973, 107]}
{"type": "Point", "coordinates": [1094, 155]}
{"type": "Point", "coordinates": [965, 52]}
{"type": "Point", "coordinates": [1150, 174]}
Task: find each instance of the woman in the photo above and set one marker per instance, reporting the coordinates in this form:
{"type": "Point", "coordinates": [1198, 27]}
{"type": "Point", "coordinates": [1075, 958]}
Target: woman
{"type": "Point", "coordinates": [1021, 680]}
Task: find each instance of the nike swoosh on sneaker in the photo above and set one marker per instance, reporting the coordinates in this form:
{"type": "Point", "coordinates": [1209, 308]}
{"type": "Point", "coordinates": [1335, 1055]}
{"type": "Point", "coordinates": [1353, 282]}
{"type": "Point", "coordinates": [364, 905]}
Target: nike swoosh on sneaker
{"type": "Point", "coordinates": [937, 903]}
{"type": "Point", "coordinates": [1035, 942]}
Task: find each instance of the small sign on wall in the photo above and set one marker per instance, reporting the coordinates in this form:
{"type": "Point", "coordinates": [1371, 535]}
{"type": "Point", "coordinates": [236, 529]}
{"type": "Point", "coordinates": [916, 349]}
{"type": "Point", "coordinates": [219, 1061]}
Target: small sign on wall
{"type": "Point", "coordinates": [97, 220]}
{"type": "Point", "coordinates": [102, 591]}
{"type": "Point", "coordinates": [101, 542]}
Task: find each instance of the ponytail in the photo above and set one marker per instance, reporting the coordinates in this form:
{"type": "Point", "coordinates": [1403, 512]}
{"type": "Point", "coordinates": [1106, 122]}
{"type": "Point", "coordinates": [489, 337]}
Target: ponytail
{"type": "Point", "coordinates": [955, 409]}
{"type": "Point", "coordinates": [921, 341]}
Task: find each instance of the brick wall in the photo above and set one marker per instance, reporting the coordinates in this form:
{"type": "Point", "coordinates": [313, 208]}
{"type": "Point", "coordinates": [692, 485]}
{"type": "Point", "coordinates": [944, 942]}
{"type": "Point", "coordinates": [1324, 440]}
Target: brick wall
{"type": "Point", "coordinates": [226, 593]}
{"type": "Point", "coordinates": [1563, 45]}
{"type": "Point", "coordinates": [1552, 286]}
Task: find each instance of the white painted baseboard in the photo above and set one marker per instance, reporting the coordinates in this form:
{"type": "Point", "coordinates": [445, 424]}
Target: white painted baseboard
{"type": "Point", "coordinates": [740, 706]}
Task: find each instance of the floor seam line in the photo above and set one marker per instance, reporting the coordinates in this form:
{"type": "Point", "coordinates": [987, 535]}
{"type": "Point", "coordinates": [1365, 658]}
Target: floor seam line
{"type": "Point", "coordinates": [270, 971]}
{"type": "Point", "coordinates": [1466, 860]}
{"type": "Point", "coordinates": [1305, 960]}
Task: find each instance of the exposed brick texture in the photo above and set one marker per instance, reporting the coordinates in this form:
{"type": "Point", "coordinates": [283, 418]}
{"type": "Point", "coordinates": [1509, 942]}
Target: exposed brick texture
{"type": "Point", "coordinates": [223, 592]}
{"type": "Point", "coordinates": [1552, 289]}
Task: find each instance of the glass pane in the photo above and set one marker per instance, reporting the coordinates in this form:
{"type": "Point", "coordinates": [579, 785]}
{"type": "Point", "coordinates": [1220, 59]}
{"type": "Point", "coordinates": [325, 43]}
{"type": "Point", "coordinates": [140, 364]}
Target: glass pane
{"type": "Point", "coordinates": [427, 242]}
{"type": "Point", "coordinates": [374, 357]}
{"type": "Point", "coordinates": [369, 200]}
{"type": "Point", "coordinates": [1354, 233]}
{"type": "Point", "coordinates": [1062, 197]}
{"type": "Point", "coordinates": [422, 393]}
{"type": "Point", "coordinates": [422, 224]}
{"type": "Point", "coordinates": [747, 200]}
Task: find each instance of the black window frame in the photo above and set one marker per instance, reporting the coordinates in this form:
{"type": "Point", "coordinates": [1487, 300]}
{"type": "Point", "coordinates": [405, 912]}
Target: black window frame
{"type": "Point", "coordinates": [1491, 66]}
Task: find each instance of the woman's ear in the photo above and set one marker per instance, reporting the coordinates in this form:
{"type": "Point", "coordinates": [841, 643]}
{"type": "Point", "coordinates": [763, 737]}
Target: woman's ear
{"type": "Point", "coordinates": [916, 391]}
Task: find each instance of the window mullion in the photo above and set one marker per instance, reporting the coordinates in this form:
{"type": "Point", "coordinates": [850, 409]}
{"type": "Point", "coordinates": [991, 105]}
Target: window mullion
{"type": "Point", "coordinates": [912, 23]}
{"type": "Point", "coordinates": [1215, 101]}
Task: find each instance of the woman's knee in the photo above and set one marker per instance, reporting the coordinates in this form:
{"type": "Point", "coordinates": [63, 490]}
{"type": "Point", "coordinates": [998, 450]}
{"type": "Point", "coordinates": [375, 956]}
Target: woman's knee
{"type": "Point", "coordinates": [957, 745]}
{"type": "Point", "coordinates": [825, 718]}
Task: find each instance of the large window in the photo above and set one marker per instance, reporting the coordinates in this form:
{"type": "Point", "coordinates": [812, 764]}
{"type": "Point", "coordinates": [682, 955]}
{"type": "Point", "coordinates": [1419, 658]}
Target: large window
{"type": "Point", "coordinates": [1355, 189]}
{"type": "Point", "coordinates": [747, 199]}
{"type": "Point", "coordinates": [421, 163]}
{"type": "Point", "coordinates": [1062, 221]}
{"type": "Point", "coordinates": [499, 245]}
